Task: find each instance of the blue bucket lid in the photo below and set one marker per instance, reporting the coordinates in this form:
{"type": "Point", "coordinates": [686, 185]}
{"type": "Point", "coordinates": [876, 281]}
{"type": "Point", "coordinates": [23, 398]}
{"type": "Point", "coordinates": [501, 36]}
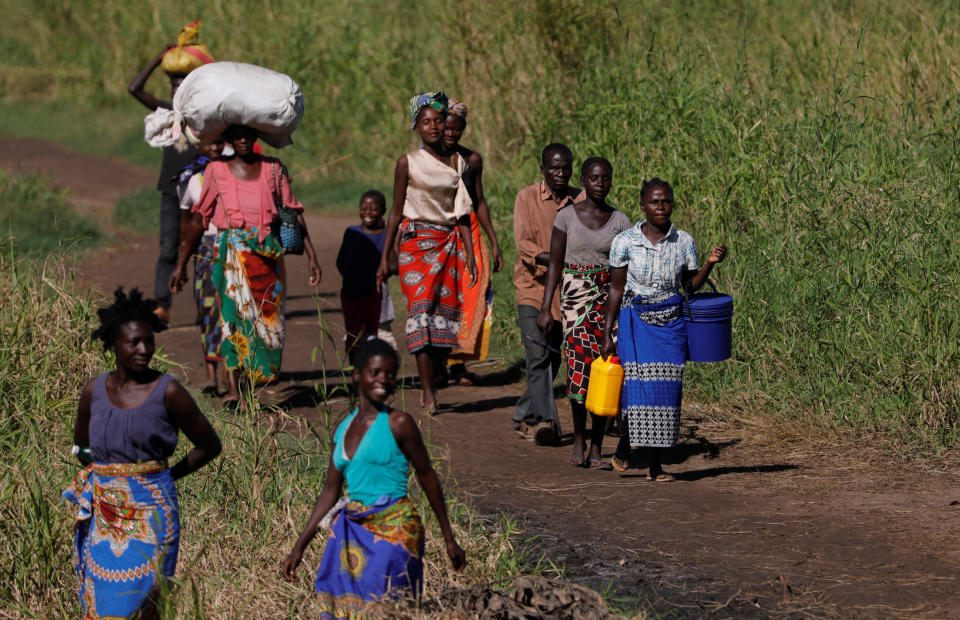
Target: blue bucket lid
{"type": "Point", "coordinates": [710, 304]}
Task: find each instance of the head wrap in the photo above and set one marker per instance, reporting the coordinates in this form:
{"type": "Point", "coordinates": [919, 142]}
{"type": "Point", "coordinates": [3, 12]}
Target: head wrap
{"type": "Point", "coordinates": [459, 108]}
{"type": "Point", "coordinates": [436, 100]}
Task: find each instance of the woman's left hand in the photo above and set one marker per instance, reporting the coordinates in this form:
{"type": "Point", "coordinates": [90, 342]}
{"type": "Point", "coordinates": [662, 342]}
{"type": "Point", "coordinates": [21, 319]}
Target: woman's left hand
{"type": "Point", "coordinates": [315, 273]}
{"type": "Point", "coordinates": [472, 270]}
{"type": "Point", "coordinates": [456, 554]}
{"type": "Point", "coordinates": [718, 254]}
{"type": "Point", "coordinates": [497, 259]}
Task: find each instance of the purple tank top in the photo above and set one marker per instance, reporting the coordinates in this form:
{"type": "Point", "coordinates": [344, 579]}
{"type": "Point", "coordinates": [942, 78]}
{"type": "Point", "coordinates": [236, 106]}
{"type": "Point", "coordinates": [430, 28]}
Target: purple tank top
{"type": "Point", "coordinates": [143, 433]}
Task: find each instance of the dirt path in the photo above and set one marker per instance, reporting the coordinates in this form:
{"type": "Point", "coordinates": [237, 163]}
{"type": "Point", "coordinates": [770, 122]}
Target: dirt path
{"type": "Point", "coordinates": [760, 524]}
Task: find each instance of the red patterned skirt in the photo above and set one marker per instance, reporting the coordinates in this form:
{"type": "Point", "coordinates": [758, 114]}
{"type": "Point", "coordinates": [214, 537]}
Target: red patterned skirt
{"type": "Point", "coordinates": [432, 262]}
{"type": "Point", "coordinates": [583, 298]}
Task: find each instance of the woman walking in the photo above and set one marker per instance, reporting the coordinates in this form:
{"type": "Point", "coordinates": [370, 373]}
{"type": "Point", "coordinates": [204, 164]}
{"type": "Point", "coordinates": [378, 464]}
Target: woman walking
{"type": "Point", "coordinates": [376, 543]}
{"type": "Point", "coordinates": [651, 264]}
{"type": "Point", "coordinates": [435, 250]}
{"type": "Point", "coordinates": [580, 246]}
{"type": "Point", "coordinates": [478, 301]}
{"type": "Point", "coordinates": [127, 531]}
{"type": "Point", "coordinates": [240, 196]}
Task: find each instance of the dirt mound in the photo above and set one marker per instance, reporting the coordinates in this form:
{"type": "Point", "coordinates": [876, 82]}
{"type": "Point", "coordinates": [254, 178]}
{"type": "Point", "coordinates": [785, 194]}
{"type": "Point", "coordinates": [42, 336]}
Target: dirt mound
{"type": "Point", "coordinates": [528, 598]}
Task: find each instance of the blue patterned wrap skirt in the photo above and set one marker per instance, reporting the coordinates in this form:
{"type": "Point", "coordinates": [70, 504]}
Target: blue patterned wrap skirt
{"type": "Point", "coordinates": [652, 345]}
{"type": "Point", "coordinates": [373, 551]}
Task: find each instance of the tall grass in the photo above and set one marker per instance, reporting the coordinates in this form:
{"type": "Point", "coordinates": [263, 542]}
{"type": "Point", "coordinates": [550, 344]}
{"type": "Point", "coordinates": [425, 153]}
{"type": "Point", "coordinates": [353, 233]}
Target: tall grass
{"type": "Point", "coordinates": [240, 515]}
{"type": "Point", "coordinates": [816, 139]}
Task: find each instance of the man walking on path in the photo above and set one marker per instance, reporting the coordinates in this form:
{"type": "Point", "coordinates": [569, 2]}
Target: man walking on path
{"type": "Point", "coordinates": [175, 158]}
{"type": "Point", "coordinates": [535, 209]}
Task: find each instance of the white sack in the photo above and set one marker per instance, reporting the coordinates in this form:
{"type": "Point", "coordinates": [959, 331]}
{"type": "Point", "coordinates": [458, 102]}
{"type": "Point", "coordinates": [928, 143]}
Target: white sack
{"type": "Point", "coordinates": [220, 94]}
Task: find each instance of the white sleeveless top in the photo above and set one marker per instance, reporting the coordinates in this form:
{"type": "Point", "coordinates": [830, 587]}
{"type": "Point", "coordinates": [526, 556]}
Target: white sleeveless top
{"type": "Point", "coordinates": [435, 191]}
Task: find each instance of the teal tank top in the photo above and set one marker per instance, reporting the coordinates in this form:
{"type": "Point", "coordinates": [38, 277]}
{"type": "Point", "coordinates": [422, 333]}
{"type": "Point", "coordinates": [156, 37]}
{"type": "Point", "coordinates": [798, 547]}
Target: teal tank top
{"type": "Point", "coordinates": [378, 467]}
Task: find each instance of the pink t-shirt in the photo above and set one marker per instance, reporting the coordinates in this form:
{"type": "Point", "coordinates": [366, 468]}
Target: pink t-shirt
{"type": "Point", "coordinates": [229, 202]}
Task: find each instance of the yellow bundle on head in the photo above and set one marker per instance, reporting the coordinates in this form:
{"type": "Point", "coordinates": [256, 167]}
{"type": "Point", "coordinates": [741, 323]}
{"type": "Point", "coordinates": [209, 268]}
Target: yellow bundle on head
{"type": "Point", "coordinates": [187, 55]}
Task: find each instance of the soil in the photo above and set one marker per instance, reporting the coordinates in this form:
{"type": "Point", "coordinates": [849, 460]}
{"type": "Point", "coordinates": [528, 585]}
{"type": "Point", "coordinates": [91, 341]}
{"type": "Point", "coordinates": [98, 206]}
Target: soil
{"type": "Point", "coordinates": [761, 522]}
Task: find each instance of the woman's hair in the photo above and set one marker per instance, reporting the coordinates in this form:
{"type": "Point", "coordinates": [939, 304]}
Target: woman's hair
{"type": "Point", "coordinates": [590, 161]}
{"type": "Point", "coordinates": [376, 195]}
{"type": "Point", "coordinates": [124, 309]}
{"type": "Point", "coordinates": [654, 182]}
{"type": "Point", "coordinates": [371, 348]}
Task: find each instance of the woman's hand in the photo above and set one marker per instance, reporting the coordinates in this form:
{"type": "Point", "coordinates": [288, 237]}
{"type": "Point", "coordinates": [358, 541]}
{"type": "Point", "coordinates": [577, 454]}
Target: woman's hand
{"type": "Point", "coordinates": [383, 272]}
{"type": "Point", "coordinates": [545, 321]}
{"type": "Point", "coordinates": [472, 270]}
{"type": "Point", "coordinates": [718, 254]}
{"type": "Point", "coordinates": [609, 347]}
{"type": "Point", "coordinates": [290, 565]}
{"type": "Point", "coordinates": [456, 554]}
{"type": "Point", "coordinates": [315, 272]}
{"type": "Point", "coordinates": [497, 259]}
{"type": "Point", "coordinates": [177, 279]}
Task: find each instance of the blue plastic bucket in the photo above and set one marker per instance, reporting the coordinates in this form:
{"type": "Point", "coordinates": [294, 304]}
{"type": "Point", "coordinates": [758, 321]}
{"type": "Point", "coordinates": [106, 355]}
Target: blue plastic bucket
{"type": "Point", "coordinates": [709, 335]}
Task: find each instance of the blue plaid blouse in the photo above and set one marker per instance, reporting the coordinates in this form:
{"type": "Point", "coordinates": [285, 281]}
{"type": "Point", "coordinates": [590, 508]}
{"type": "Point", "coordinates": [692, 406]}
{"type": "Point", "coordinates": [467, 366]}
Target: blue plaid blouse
{"type": "Point", "coordinates": [654, 270]}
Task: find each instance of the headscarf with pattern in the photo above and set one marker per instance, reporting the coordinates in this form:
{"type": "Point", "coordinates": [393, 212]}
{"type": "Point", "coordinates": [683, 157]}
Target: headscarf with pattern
{"type": "Point", "coordinates": [436, 100]}
{"type": "Point", "coordinates": [459, 108]}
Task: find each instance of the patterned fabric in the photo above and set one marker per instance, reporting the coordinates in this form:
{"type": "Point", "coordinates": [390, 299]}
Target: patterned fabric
{"type": "Point", "coordinates": [205, 294]}
{"type": "Point", "coordinates": [251, 288]}
{"type": "Point", "coordinates": [431, 260]}
{"type": "Point", "coordinates": [196, 167]}
{"type": "Point", "coordinates": [654, 269]}
{"type": "Point", "coordinates": [373, 551]}
{"type": "Point", "coordinates": [127, 532]}
{"type": "Point", "coordinates": [477, 318]}
{"type": "Point", "coordinates": [436, 100]}
{"type": "Point", "coordinates": [653, 350]}
{"type": "Point", "coordinates": [583, 296]}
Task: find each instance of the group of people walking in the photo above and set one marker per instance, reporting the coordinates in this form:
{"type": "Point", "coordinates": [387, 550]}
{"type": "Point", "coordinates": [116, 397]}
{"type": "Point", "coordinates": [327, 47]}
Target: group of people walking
{"type": "Point", "coordinates": [620, 289]}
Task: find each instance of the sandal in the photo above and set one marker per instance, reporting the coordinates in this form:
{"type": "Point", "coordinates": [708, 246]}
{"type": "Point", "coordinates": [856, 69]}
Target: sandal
{"type": "Point", "coordinates": [619, 464]}
{"type": "Point", "coordinates": [600, 465]}
{"type": "Point", "coordinates": [467, 379]}
{"type": "Point", "coordinates": [662, 477]}
{"type": "Point", "coordinates": [432, 408]}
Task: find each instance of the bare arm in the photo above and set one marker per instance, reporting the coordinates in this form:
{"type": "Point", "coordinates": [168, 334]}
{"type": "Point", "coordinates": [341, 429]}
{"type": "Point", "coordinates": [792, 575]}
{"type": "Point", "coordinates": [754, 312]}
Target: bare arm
{"type": "Point", "coordinates": [327, 499]}
{"type": "Point", "coordinates": [408, 437]}
{"type": "Point", "coordinates": [696, 280]}
{"type": "Point", "coordinates": [618, 280]}
{"type": "Point", "coordinates": [483, 212]}
{"type": "Point", "coordinates": [463, 228]}
{"type": "Point", "coordinates": [81, 426]}
{"type": "Point", "coordinates": [558, 247]}
{"type": "Point", "coordinates": [191, 231]}
{"type": "Point", "coordinates": [188, 418]}
{"type": "Point", "coordinates": [136, 86]}
{"type": "Point", "coordinates": [315, 271]}
{"type": "Point", "coordinates": [400, 179]}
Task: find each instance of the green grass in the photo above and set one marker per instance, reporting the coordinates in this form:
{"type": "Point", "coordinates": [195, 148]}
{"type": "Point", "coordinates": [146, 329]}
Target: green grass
{"type": "Point", "coordinates": [138, 211]}
{"type": "Point", "coordinates": [816, 139]}
{"type": "Point", "coordinates": [240, 515]}
{"type": "Point", "coordinates": [36, 221]}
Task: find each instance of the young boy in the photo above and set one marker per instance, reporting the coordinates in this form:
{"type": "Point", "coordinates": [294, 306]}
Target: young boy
{"type": "Point", "coordinates": [357, 262]}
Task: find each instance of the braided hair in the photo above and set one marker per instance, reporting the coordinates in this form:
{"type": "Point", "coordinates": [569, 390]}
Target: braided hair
{"type": "Point", "coordinates": [124, 309]}
{"type": "Point", "coordinates": [652, 183]}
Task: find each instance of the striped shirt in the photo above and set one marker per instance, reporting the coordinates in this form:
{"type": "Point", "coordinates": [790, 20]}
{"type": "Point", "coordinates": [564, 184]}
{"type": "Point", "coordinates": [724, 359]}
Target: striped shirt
{"type": "Point", "coordinates": [654, 270]}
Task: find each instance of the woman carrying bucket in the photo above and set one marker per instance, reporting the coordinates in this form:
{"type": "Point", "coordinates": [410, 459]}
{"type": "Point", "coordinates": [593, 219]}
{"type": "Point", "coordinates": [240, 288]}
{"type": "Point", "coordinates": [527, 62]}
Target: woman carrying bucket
{"type": "Point", "coordinates": [651, 262]}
